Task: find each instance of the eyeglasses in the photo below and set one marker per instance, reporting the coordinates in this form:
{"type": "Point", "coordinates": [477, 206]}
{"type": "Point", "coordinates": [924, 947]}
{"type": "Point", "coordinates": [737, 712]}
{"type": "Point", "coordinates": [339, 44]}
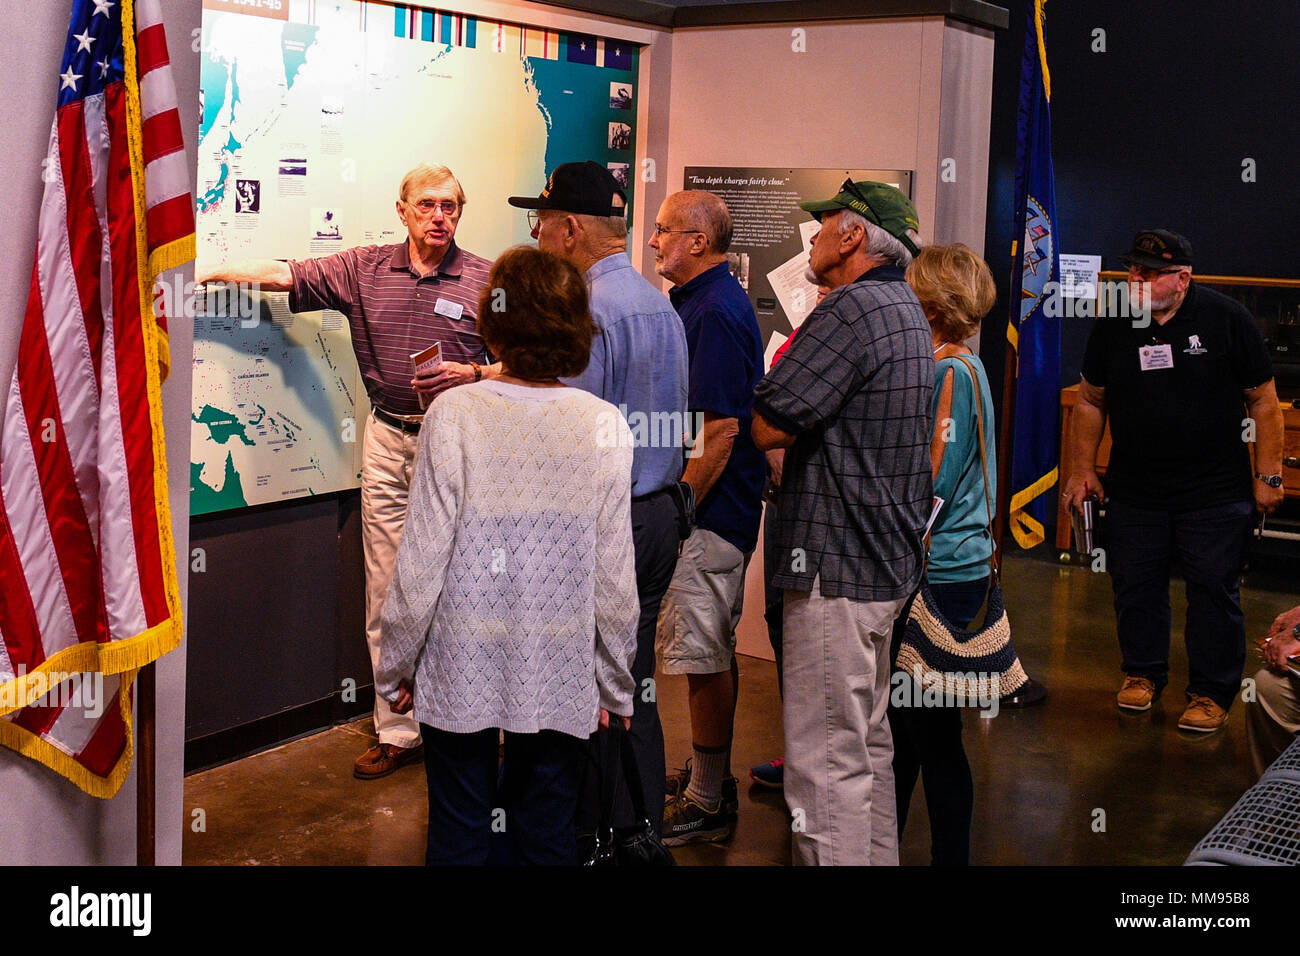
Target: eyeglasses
{"type": "Point", "coordinates": [1148, 273]}
{"type": "Point", "coordinates": [426, 207]}
{"type": "Point", "coordinates": [534, 219]}
{"type": "Point", "coordinates": [660, 230]}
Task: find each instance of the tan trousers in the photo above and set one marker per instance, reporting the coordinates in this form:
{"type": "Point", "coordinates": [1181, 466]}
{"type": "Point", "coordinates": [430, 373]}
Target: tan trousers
{"type": "Point", "coordinates": [386, 469]}
{"type": "Point", "coordinates": [839, 777]}
{"type": "Point", "coordinates": [1273, 719]}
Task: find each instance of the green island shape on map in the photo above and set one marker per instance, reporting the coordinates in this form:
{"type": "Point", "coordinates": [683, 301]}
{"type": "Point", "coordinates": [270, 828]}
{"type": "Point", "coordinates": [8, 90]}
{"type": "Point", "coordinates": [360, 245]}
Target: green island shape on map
{"type": "Point", "coordinates": [222, 426]}
{"type": "Point", "coordinates": [205, 499]}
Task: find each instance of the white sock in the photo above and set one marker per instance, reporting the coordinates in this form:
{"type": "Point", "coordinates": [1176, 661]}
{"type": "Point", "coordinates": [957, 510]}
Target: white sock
{"type": "Point", "coordinates": [707, 768]}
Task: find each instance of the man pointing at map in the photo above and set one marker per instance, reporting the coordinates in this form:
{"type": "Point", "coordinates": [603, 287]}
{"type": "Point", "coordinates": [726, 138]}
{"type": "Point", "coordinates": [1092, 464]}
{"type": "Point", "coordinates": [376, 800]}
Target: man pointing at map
{"type": "Point", "coordinates": [399, 300]}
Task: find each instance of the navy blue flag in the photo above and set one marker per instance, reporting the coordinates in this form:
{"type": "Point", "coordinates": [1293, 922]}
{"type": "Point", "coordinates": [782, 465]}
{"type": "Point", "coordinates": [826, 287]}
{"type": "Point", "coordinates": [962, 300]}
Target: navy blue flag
{"type": "Point", "coordinates": [618, 54]}
{"type": "Point", "coordinates": [580, 48]}
{"type": "Point", "coordinates": [1035, 277]}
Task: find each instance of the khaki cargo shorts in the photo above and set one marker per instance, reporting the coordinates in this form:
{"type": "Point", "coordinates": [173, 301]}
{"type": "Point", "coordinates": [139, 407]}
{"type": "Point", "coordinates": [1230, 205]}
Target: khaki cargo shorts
{"type": "Point", "coordinates": [696, 633]}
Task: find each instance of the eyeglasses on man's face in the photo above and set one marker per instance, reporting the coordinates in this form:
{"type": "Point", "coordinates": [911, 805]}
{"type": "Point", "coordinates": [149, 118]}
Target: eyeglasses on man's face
{"type": "Point", "coordinates": [1148, 274]}
{"type": "Point", "coordinates": [427, 207]}
{"type": "Point", "coordinates": [661, 230]}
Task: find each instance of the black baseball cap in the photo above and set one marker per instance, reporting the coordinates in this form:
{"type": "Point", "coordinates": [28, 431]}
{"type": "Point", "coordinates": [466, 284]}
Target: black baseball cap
{"type": "Point", "coordinates": [584, 189]}
{"type": "Point", "coordinates": [1157, 248]}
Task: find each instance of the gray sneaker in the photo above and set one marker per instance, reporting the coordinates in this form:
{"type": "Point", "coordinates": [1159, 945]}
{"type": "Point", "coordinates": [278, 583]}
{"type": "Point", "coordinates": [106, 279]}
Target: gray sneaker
{"type": "Point", "coordinates": [685, 821]}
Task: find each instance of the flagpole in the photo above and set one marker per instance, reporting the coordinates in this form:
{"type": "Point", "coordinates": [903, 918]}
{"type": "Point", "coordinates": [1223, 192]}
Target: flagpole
{"type": "Point", "coordinates": [145, 789]}
{"type": "Point", "coordinates": [1006, 432]}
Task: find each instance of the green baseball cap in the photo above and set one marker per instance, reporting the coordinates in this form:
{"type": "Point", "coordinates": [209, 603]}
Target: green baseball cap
{"type": "Point", "coordinates": [879, 203]}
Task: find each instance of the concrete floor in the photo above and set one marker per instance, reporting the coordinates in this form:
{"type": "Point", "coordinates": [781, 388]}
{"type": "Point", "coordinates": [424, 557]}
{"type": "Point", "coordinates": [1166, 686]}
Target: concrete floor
{"type": "Point", "coordinates": [1073, 781]}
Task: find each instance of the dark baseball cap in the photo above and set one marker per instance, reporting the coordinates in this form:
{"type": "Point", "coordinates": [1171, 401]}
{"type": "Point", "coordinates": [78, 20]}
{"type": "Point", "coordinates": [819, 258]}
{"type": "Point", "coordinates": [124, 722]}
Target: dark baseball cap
{"type": "Point", "coordinates": [1157, 248]}
{"type": "Point", "coordinates": [584, 189]}
{"type": "Point", "coordinates": [879, 203]}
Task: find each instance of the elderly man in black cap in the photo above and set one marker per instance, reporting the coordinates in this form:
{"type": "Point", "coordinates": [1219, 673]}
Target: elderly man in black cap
{"type": "Point", "coordinates": [851, 402]}
{"type": "Point", "coordinates": [638, 364]}
{"type": "Point", "coordinates": [1187, 388]}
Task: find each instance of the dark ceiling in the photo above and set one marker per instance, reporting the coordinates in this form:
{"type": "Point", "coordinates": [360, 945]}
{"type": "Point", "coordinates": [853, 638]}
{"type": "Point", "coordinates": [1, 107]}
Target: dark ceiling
{"type": "Point", "coordinates": [691, 13]}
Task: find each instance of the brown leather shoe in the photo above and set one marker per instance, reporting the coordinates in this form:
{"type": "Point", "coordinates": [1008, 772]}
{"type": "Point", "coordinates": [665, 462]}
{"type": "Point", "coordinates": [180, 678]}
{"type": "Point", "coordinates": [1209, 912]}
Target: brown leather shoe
{"type": "Point", "coordinates": [382, 759]}
{"type": "Point", "coordinates": [1202, 715]}
{"type": "Point", "coordinates": [1136, 694]}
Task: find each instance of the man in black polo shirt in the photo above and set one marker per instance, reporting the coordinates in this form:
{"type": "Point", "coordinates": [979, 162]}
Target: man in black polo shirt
{"type": "Point", "coordinates": [851, 402]}
{"type": "Point", "coordinates": [1186, 389]}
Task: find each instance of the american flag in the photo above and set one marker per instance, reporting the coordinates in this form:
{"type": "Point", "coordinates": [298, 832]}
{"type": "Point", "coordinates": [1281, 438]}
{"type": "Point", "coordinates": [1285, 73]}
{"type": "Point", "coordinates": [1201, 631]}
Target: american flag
{"type": "Point", "coordinates": [88, 586]}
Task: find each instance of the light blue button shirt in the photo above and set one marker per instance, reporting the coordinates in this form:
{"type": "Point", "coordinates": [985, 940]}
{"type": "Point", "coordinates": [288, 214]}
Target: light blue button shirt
{"type": "Point", "coordinates": [639, 364]}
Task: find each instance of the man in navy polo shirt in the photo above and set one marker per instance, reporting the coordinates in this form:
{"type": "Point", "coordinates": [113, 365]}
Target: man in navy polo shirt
{"type": "Point", "coordinates": [696, 635]}
{"type": "Point", "coordinates": [1186, 389]}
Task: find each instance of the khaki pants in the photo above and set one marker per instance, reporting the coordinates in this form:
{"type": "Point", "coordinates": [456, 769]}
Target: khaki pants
{"type": "Point", "coordinates": [1273, 720]}
{"type": "Point", "coordinates": [386, 473]}
{"type": "Point", "coordinates": [839, 778]}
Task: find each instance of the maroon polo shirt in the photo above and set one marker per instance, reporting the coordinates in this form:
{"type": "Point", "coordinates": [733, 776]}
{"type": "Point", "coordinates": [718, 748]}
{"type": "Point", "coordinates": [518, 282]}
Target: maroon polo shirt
{"type": "Point", "coordinates": [393, 311]}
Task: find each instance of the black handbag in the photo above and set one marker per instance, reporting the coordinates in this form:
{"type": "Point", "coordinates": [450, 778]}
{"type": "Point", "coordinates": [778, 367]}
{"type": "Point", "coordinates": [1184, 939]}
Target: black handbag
{"type": "Point", "coordinates": [634, 846]}
{"type": "Point", "coordinates": [969, 666]}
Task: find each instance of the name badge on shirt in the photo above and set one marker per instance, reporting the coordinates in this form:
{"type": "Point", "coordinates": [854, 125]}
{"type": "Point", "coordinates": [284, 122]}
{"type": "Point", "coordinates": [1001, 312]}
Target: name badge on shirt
{"type": "Point", "coordinates": [454, 310]}
{"type": "Point", "coordinates": [1156, 356]}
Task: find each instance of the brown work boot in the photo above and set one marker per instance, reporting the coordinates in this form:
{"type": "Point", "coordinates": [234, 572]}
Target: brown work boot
{"type": "Point", "coordinates": [1202, 715]}
{"type": "Point", "coordinates": [382, 759]}
{"type": "Point", "coordinates": [1136, 694]}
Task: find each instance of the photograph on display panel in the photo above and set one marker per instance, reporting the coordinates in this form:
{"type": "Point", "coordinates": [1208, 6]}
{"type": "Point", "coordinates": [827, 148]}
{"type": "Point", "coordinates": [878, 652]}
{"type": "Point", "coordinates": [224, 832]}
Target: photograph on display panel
{"type": "Point", "coordinates": [310, 114]}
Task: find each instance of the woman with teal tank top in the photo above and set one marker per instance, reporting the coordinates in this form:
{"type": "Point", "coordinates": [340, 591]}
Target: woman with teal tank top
{"type": "Point", "coordinates": [956, 291]}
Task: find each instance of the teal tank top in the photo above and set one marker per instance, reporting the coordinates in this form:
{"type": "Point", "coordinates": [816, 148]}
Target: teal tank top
{"type": "Point", "coordinates": [960, 543]}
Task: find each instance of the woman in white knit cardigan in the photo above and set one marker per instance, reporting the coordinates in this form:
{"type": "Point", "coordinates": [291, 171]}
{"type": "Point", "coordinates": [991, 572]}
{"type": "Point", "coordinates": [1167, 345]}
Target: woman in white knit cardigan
{"type": "Point", "coordinates": [513, 605]}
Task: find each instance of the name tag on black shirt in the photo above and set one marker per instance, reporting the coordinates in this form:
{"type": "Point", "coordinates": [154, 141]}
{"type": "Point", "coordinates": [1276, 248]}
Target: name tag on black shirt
{"type": "Point", "coordinates": [1156, 356]}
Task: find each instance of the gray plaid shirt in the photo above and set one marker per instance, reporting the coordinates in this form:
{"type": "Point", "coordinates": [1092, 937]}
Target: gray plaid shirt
{"type": "Point", "coordinates": [855, 388]}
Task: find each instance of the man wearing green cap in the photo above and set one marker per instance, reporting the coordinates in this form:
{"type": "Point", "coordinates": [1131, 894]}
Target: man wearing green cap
{"type": "Point", "coordinates": [851, 402]}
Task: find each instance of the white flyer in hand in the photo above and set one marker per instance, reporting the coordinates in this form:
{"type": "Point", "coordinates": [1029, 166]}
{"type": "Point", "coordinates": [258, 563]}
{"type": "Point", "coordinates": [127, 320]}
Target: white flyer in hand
{"type": "Point", "coordinates": [426, 360]}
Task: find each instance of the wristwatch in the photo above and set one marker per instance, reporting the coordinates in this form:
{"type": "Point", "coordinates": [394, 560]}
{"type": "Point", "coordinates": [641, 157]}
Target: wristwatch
{"type": "Point", "coordinates": [1273, 481]}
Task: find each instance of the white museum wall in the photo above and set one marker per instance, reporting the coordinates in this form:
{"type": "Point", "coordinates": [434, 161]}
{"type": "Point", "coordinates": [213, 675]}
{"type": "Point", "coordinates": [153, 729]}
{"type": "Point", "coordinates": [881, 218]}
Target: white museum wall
{"type": "Point", "coordinates": [964, 110]}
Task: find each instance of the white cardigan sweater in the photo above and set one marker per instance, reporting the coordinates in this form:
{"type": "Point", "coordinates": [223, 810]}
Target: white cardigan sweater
{"type": "Point", "coordinates": [514, 600]}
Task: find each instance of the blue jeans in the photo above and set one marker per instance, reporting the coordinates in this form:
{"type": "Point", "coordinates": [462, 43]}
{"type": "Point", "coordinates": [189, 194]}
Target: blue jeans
{"type": "Point", "coordinates": [532, 804]}
{"type": "Point", "coordinates": [1210, 544]}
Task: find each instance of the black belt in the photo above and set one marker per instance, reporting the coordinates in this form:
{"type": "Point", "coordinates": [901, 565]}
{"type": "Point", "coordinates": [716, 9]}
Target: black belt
{"type": "Point", "coordinates": [411, 428]}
